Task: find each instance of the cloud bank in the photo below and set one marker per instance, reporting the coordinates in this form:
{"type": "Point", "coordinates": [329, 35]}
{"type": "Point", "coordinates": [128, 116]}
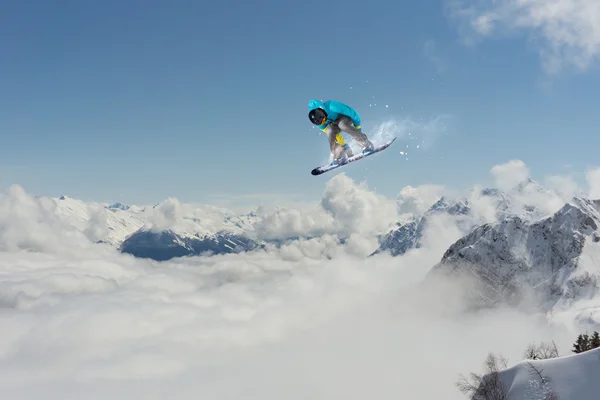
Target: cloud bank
{"type": "Point", "coordinates": [347, 210]}
{"type": "Point", "coordinates": [256, 325]}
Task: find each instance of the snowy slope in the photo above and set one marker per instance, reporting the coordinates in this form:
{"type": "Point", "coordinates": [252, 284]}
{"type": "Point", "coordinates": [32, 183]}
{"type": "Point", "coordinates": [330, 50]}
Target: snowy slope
{"type": "Point", "coordinates": [552, 262]}
{"type": "Point", "coordinates": [573, 377]}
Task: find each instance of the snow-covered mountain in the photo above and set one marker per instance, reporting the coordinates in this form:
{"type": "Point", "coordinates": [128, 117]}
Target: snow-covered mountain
{"type": "Point", "coordinates": [528, 199]}
{"type": "Point", "coordinates": [470, 211]}
{"type": "Point", "coordinates": [550, 263]}
{"type": "Point", "coordinates": [101, 223]}
{"type": "Point", "coordinates": [161, 231]}
{"type": "Point", "coordinates": [167, 244]}
{"type": "Point", "coordinates": [408, 235]}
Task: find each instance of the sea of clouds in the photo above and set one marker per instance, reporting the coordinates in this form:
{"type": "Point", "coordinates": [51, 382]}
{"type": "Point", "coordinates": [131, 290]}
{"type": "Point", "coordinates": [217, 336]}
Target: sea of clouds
{"type": "Point", "coordinates": [310, 319]}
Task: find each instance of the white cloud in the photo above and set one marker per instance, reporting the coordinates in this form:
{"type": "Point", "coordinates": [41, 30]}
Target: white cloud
{"type": "Point", "coordinates": [167, 215]}
{"type": "Point", "coordinates": [357, 209]}
{"type": "Point", "coordinates": [514, 177]}
{"type": "Point", "coordinates": [593, 179]}
{"type": "Point", "coordinates": [321, 248]}
{"type": "Point", "coordinates": [32, 224]}
{"type": "Point", "coordinates": [565, 31]}
{"type": "Point", "coordinates": [443, 230]}
{"type": "Point", "coordinates": [431, 52]}
{"type": "Point", "coordinates": [483, 208]}
{"type": "Point", "coordinates": [416, 200]}
{"type": "Point", "coordinates": [565, 186]}
{"type": "Point", "coordinates": [97, 228]}
{"type": "Point", "coordinates": [509, 175]}
{"type": "Point", "coordinates": [346, 209]}
{"type": "Point", "coordinates": [283, 222]}
{"type": "Point", "coordinates": [172, 214]}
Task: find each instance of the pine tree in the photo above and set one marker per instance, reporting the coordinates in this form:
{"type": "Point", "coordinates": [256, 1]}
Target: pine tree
{"type": "Point", "coordinates": [586, 342]}
{"type": "Point", "coordinates": [579, 344]}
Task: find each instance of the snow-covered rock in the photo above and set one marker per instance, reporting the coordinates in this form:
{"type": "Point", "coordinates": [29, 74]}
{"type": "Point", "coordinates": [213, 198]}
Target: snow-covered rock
{"type": "Point", "coordinates": [551, 263]}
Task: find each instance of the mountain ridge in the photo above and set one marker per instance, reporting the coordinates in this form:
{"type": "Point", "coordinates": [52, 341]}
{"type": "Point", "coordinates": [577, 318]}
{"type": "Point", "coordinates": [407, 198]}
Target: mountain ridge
{"type": "Point", "coordinates": [550, 263]}
{"type": "Point", "coordinates": [408, 235]}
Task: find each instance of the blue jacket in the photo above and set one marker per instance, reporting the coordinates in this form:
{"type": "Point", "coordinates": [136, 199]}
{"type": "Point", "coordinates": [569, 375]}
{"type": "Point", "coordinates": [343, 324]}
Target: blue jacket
{"type": "Point", "coordinates": [334, 109]}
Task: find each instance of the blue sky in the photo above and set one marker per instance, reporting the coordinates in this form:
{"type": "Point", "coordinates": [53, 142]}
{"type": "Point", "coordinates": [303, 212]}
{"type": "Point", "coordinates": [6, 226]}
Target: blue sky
{"type": "Point", "coordinates": [136, 101]}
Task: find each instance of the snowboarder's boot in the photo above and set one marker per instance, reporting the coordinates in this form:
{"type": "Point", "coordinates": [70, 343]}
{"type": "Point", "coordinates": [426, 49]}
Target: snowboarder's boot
{"type": "Point", "coordinates": [342, 160]}
{"type": "Point", "coordinates": [368, 148]}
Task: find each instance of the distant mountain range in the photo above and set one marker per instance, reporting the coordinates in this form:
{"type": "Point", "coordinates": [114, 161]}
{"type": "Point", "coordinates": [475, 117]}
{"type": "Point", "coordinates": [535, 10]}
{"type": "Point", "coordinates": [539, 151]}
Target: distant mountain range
{"type": "Point", "coordinates": [143, 231]}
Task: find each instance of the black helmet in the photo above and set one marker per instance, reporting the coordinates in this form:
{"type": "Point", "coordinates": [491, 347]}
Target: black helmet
{"type": "Point", "coordinates": [317, 116]}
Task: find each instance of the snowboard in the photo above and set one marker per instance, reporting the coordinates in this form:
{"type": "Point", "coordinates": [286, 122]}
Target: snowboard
{"type": "Point", "coordinates": [331, 166]}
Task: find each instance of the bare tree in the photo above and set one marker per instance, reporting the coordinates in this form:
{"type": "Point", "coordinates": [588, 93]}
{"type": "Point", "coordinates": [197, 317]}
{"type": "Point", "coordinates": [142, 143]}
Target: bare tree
{"type": "Point", "coordinates": [487, 386]}
{"type": "Point", "coordinates": [544, 351]}
{"type": "Point", "coordinates": [531, 352]}
{"type": "Point", "coordinates": [540, 389]}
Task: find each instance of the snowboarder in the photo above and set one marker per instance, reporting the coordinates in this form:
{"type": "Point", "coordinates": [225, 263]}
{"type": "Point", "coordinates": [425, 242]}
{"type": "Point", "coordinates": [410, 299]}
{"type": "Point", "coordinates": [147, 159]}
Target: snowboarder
{"type": "Point", "coordinates": [334, 117]}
